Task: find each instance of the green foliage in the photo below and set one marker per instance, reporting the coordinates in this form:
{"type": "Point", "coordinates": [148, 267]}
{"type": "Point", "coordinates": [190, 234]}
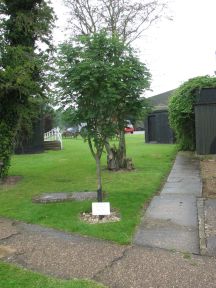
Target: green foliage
{"type": "Point", "coordinates": [26, 21]}
{"type": "Point", "coordinates": [103, 79]}
{"type": "Point", "coordinates": [146, 109]}
{"type": "Point", "coordinates": [5, 148]}
{"type": "Point", "coordinates": [68, 117]}
{"type": "Point", "coordinates": [181, 110]}
{"type": "Point", "coordinates": [22, 25]}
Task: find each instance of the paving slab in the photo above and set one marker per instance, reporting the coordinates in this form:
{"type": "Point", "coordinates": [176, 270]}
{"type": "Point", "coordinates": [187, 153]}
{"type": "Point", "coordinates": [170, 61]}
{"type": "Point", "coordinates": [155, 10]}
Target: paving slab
{"type": "Point", "coordinates": [184, 177]}
{"type": "Point", "coordinates": [178, 209]}
{"type": "Point", "coordinates": [175, 178]}
{"type": "Point", "coordinates": [186, 158]}
{"type": "Point", "coordinates": [169, 237]}
{"type": "Point", "coordinates": [185, 186]}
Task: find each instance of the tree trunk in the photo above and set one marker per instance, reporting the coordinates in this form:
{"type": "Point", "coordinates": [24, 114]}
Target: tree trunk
{"type": "Point", "coordinates": [99, 190]}
{"type": "Point", "coordinates": [122, 150]}
{"type": "Point", "coordinates": [112, 157]}
{"type": "Point", "coordinates": [97, 157]}
{"type": "Point", "coordinates": [116, 157]}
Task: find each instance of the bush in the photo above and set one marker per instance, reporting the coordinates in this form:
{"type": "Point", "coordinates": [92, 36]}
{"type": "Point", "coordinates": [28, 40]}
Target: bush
{"type": "Point", "coordinates": [181, 110]}
{"type": "Point", "coordinates": [6, 148]}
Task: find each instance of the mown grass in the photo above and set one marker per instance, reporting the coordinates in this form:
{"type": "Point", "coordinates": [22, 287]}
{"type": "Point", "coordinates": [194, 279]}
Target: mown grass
{"type": "Point", "coordinates": [14, 277]}
{"type": "Point", "coordinates": [73, 169]}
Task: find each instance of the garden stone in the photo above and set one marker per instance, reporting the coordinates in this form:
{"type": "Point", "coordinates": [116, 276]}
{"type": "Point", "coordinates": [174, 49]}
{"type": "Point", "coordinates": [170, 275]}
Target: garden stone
{"type": "Point", "coordinates": [63, 196]}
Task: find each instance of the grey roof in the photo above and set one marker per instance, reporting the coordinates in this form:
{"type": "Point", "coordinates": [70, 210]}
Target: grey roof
{"type": "Point", "coordinates": [160, 101]}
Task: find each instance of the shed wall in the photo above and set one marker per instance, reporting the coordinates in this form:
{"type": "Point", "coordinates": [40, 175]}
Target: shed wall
{"type": "Point", "coordinates": [36, 143]}
{"type": "Point", "coordinates": [157, 128]}
{"type": "Point", "coordinates": [205, 119]}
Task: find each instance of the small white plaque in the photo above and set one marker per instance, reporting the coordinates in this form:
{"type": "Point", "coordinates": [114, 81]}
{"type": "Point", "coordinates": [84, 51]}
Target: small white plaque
{"type": "Point", "coordinates": [100, 208]}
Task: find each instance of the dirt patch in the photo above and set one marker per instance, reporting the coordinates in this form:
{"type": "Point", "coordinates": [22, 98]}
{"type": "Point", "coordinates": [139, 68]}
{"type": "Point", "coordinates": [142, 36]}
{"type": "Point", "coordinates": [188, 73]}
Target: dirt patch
{"type": "Point", "coordinates": [6, 251]}
{"type": "Point", "coordinates": [11, 180]}
{"type": "Point", "coordinates": [7, 229]}
{"type": "Point", "coordinates": [208, 172]}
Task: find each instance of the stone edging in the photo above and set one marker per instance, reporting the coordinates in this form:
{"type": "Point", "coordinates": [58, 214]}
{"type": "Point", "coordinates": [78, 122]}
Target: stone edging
{"type": "Point", "coordinates": [201, 221]}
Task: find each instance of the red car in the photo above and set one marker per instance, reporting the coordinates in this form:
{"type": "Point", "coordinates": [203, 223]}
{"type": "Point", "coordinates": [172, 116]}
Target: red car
{"type": "Point", "coordinates": [129, 128]}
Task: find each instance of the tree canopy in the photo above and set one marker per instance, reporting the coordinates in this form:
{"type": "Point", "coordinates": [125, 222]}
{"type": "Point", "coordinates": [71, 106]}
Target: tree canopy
{"type": "Point", "coordinates": [127, 18]}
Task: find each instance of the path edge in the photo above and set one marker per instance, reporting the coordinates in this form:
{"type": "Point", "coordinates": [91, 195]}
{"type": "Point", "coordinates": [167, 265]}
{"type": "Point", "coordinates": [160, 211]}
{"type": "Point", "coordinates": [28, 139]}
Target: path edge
{"type": "Point", "coordinates": [201, 223]}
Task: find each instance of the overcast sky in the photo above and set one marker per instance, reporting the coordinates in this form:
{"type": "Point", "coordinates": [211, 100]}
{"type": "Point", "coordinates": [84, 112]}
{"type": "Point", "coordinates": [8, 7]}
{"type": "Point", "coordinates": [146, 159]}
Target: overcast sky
{"type": "Point", "coordinates": [174, 51]}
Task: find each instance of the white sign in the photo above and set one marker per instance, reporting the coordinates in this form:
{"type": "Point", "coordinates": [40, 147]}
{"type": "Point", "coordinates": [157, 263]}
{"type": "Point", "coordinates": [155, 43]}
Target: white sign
{"type": "Point", "coordinates": [100, 208]}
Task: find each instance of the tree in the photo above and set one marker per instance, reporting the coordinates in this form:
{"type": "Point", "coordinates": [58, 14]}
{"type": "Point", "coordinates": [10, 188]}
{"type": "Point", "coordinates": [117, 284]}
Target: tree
{"type": "Point", "coordinates": [127, 18]}
{"type": "Point", "coordinates": [181, 110]}
{"type": "Point", "coordinates": [97, 74]}
{"type": "Point", "coordinates": [23, 24]}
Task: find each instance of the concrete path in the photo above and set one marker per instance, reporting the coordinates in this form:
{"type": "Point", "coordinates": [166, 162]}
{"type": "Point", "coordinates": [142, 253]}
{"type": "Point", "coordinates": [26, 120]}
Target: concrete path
{"type": "Point", "coordinates": [171, 220]}
{"type": "Point", "coordinates": [69, 256]}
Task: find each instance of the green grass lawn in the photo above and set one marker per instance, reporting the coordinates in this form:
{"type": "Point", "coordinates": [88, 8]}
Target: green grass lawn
{"type": "Point", "coordinates": [13, 277]}
{"type": "Point", "coordinates": [73, 169]}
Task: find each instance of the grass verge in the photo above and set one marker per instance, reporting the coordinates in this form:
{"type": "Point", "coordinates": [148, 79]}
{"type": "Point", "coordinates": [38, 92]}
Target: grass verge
{"type": "Point", "coordinates": [14, 277]}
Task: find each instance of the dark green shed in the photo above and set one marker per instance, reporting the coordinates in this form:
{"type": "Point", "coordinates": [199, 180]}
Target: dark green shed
{"type": "Point", "coordinates": [34, 144]}
{"type": "Point", "coordinates": [157, 129]}
{"type": "Point", "coordinates": [205, 121]}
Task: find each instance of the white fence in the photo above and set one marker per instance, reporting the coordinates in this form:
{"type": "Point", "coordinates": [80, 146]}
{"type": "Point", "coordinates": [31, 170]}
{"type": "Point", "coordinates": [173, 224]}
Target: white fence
{"type": "Point", "coordinates": [54, 135]}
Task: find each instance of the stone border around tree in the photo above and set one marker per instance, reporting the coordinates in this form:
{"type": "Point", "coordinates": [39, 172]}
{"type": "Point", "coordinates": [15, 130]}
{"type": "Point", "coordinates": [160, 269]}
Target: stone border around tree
{"type": "Point", "coordinates": [91, 219]}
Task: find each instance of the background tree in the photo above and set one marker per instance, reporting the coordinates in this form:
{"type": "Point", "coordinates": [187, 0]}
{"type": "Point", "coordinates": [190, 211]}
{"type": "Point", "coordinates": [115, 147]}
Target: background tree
{"type": "Point", "coordinates": [98, 74]}
{"type": "Point", "coordinates": [50, 118]}
{"type": "Point", "coordinates": [68, 117]}
{"type": "Point", "coordinates": [127, 18]}
{"type": "Point", "coordinates": [181, 110]}
{"type": "Point", "coordinates": [23, 24]}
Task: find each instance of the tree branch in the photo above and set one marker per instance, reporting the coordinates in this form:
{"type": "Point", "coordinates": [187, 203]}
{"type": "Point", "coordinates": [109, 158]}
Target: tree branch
{"type": "Point", "coordinates": [91, 148]}
{"type": "Point", "coordinates": [127, 18]}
